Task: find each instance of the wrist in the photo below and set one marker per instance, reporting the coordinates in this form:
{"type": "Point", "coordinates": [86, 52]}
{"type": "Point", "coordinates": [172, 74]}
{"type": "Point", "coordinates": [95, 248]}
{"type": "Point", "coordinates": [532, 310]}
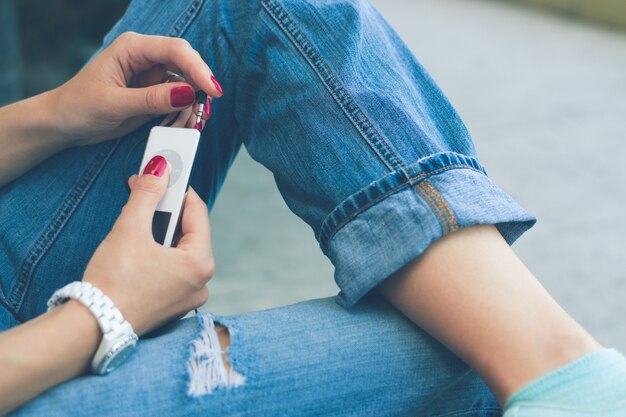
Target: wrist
{"type": "Point", "coordinates": [139, 315]}
{"type": "Point", "coordinates": [118, 339]}
{"type": "Point", "coordinates": [129, 309]}
{"type": "Point", "coordinates": [50, 122]}
{"type": "Point", "coordinates": [84, 328]}
{"type": "Point", "coordinates": [38, 121]}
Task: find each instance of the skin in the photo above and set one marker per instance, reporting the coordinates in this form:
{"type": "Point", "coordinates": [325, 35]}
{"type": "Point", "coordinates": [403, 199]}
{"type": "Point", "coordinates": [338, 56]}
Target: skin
{"type": "Point", "coordinates": [488, 308]}
{"type": "Point", "coordinates": [59, 345]}
{"type": "Point", "coordinates": [485, 306]}
{"type": "Point", "coordinates": [96, 104]}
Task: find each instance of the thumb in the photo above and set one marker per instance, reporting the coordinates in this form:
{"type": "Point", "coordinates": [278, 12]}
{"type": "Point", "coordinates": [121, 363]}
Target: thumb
{"type": "Point", "coordinates": [156, 99]}
{"type": "Point", "coordinates": [146, 192]}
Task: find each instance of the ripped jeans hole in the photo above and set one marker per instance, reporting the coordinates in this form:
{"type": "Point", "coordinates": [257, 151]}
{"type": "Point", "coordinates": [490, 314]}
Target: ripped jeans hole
{"type": "Point", "coordinates": [208, 369]}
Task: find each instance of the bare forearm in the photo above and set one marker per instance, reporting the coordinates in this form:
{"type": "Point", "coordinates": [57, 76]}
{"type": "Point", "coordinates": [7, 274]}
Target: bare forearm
{"type": "Point", "coordinates": [28, 135]}
{"type": "Point", "coordinates": [470, 291]}
{"type": "Point", "coordinates": [44, 352]}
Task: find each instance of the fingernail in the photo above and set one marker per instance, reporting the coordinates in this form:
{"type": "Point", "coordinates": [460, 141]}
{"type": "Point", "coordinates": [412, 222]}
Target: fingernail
{"type": "Point", "coordinates": [208, 108]}
{"type": "Point", "coordinates": [199, 126]}
{"type": "Point", "coordinates": [156, 166]}
{"type": "Point", "coordinates": [217, 85]}
{"type": "Point", "coordinates": [182, 96]}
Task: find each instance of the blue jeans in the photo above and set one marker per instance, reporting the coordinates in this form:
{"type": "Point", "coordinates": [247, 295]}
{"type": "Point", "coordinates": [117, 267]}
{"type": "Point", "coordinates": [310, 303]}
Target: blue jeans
{"type": "Point", "coordinates": [364, 147]}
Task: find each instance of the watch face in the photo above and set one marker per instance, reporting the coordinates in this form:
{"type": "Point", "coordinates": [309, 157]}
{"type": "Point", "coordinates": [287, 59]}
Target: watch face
{"type": "Point", "coordinates": [117, 356]}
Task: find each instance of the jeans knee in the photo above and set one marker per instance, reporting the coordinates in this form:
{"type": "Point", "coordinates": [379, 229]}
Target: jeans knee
{"type": "Point", "coordinates": [208, 367]}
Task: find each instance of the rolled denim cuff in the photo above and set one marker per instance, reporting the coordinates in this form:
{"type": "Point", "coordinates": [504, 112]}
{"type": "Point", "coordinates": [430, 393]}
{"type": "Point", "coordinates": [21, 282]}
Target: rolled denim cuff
{"type": "Point", "coordinates": [379, 229]}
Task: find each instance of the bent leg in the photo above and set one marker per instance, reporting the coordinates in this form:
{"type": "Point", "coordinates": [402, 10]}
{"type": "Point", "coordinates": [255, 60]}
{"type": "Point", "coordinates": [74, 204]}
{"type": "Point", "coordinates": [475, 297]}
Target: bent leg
{"type": "Point", "coordinates": [363, 145]}
{"type": "Point", "coordinates": [367, 150]}
{"type": "Point", "coordinates": [309, 359]}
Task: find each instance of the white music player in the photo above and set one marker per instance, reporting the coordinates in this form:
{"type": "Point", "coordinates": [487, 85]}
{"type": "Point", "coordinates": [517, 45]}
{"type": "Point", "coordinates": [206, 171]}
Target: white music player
{"type": "Point", "coordinates": [178, 146]}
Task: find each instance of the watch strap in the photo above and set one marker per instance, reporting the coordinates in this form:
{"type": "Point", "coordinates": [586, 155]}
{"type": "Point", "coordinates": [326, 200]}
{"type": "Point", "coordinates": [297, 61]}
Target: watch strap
{"type": "Point", "coordinates": [110, 320]}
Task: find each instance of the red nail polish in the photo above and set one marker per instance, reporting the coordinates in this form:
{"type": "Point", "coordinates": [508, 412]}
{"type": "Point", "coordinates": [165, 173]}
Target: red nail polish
{"type": "Point", "coordinates": [156, 166]}
{"type": "Point", "coordinates": [217, 85]}
{"type": "Point", "coordinates": [199, 126]}
{"type": "Point", "coordinates": [182, 96]}
{"type": "Point", "coordinates": [208, 108]}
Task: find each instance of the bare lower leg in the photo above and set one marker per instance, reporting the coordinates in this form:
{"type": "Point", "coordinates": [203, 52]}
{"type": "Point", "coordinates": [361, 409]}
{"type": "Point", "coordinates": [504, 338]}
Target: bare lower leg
{"type": "Point", "coordinates": [471, 291]}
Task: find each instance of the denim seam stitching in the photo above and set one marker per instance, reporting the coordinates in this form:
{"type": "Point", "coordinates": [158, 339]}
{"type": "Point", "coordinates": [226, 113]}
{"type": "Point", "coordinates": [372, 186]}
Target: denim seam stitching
{"type": "Point", "coordinates": [324, 238]}
{"type": "Point", "coordinates": [61, 217]}
{"type": "Point", "coordinates": [452, 222]}
{"type": "Point", "coordinates": [441, 203]}
{"type": "Point", "coordinates": [8, 308]}
{"type": "Point", "coordinates": [185, 19]}
{"type": "Point", "coordinates": [433, 205]}
{"type": "Point", "coordinates": [343, 98]}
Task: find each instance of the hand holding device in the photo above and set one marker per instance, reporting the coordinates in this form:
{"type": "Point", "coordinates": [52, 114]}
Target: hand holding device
{"type": "Point", "coordinates": [178, 146]}
{"type": "Point", "coordinates": [97, 104]}
{"type": "Point", "coordinates": [151, 284]}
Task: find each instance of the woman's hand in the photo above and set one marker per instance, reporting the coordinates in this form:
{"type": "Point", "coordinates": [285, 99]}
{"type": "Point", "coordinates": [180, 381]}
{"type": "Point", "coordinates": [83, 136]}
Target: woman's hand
{"type": "Point", "coordinates": [151, 284]}
{"type": "Point", "coordinates": [123, 87]}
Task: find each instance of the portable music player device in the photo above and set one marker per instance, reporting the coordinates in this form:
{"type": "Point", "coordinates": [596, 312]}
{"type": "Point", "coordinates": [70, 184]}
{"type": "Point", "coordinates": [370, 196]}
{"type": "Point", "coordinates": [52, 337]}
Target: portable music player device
{"type": "Point", "coordinates": [178, 146]}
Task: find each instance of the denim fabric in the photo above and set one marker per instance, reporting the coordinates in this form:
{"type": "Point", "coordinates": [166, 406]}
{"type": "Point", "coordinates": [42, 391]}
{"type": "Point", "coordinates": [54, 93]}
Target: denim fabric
{"type": "Point", "coordinates": [309, 359]}
{"type": "Point", "coordinates": [363, 145]}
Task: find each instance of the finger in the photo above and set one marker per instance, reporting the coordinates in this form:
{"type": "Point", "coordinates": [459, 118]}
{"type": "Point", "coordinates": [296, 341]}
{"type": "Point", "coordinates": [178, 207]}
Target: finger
{"type": "Point", "coordinates": [157, 99]}
{"type": "Point", "coordinates": [208, 109]}
{"type": "Point", "coordinates": [127, 126]}
{"type": "Point", "coordinates": [191, 120]}
{"type": "Point", "coordinates": [151, 76]}
{"type": "Point", "coordinates": [132, 180]}
{"type": "Point", "coordinates": [159, 74]}
{"type": "Point", "coordinates": [182, 118]}
{"type": "Point", "coordinates": [200, 126]}
{"type": "Point", "coordinates": [146, 192]}
{"type": "Point", "coordinates": [143, 51]}
{"type": "Point", "coordinates": [195, 225]}
{"type": "Point", "coordinates": [170, 117]}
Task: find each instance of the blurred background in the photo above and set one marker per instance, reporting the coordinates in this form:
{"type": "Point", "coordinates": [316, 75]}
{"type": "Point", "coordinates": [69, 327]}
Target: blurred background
{"type": "Point", "coordinates": [541, 85]}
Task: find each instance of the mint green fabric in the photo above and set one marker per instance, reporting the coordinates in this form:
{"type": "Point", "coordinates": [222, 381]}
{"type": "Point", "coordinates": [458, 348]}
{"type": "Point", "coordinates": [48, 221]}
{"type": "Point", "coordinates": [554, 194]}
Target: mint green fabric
{"type": "Point", "coordinates": [594, 385]}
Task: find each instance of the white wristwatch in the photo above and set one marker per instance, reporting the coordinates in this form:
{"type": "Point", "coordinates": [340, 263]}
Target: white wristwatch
{"type": "Point", "coordinates": [118, 338]}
